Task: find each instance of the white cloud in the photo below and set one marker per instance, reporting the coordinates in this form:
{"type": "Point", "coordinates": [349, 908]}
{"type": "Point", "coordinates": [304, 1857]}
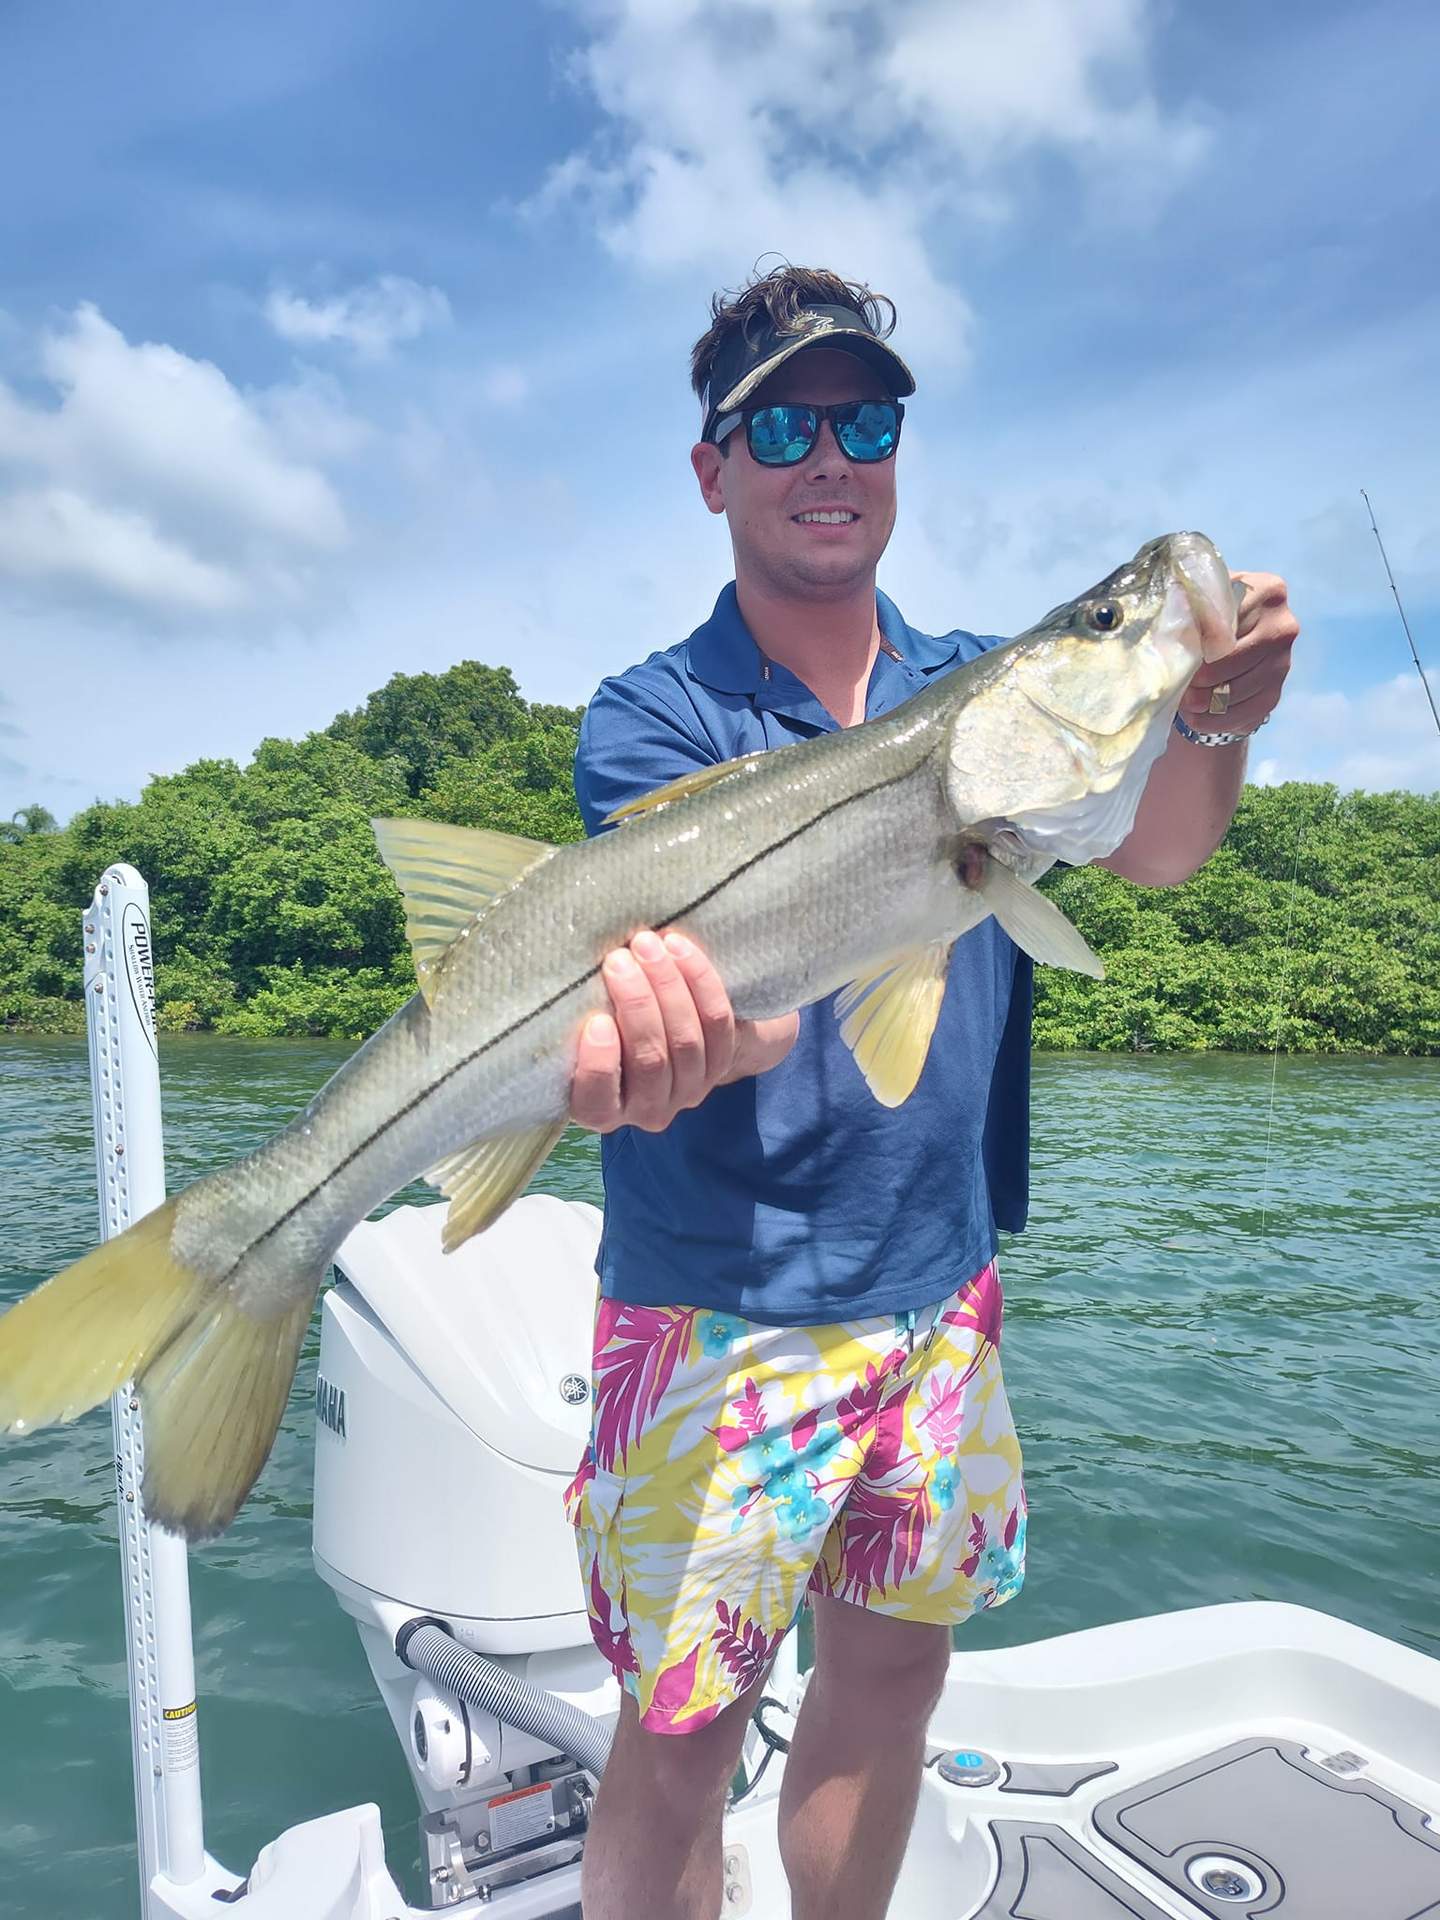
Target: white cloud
{"type": "Point", "coordinates": [986, 83]}
{"type": "Point", "coordinates": [312, 420]}
{"type": "Point", "coordinates": [53, 533]}
{"type": "Point", "coordinates": [152, 480]}
{"type": "Point", "coordinates": [369, 319]}
{"type": "Point", "coordinates": [858, 137]}
{"type": "Point", "coordinates": [1381, 738]}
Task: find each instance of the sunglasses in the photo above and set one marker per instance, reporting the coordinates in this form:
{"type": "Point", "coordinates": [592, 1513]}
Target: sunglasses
{"type": "Point", "coordinates": [865, 431]}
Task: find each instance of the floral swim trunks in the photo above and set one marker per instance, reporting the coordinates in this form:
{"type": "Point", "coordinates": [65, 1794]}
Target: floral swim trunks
{"type": "Point", "coordinates": [734, 1468]}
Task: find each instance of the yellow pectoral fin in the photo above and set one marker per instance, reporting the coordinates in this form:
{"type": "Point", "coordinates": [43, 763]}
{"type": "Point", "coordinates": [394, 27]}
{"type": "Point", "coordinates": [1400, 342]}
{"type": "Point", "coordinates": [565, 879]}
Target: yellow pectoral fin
{"type": "Point", "coordinates": [480, 1181]}
{"type": "Point", "coordinates": [887, 1018]}
{"type": "Point", "coordinates": [679, 789]}
{"type": "Point", "coordinates": [447, 875]}
{"type": "Point", "coordinates": [1034, 923]}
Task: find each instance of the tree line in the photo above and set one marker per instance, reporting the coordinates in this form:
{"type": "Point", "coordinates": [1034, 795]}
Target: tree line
{"type": "Point", "coordinates": [1316, 926]}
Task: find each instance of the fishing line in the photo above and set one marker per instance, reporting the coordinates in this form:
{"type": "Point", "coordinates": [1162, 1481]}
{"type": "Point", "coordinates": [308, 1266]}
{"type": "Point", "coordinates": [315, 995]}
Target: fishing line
{"type": "Point", "coordinates": [1279, 1015]}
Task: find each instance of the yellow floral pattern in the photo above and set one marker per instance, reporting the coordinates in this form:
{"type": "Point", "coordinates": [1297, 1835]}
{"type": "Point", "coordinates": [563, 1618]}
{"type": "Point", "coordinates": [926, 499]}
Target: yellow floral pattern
{"type": "Point", "coordinates": [734, 1467]}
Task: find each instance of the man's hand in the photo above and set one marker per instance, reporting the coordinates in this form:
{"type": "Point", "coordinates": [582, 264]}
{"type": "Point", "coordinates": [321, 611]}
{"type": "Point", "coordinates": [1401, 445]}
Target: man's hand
{"type": "Point", "coordinates": [1191, 794]}
{"type": "Point", "coordinates": [672, 1038]}
{"type": "Point", "coordinates": [1255, 667]}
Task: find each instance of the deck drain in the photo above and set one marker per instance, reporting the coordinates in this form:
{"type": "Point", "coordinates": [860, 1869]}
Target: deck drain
{"type": "Point", "coordinates": [1223, 1878]}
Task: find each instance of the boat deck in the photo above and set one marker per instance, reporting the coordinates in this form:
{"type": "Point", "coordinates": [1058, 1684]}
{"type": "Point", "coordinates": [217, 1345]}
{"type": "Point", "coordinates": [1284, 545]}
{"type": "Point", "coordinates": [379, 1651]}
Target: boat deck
{"type": "Point", "coordinates": [1258, 1828]}
{"type": "Point", "coordinates": [1252, 1762]}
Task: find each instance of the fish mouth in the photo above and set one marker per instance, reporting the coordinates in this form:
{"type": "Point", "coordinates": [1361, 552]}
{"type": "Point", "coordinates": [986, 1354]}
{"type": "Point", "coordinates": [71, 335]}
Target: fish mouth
{"type": "Point", "coordinates": [1204, 580]}
{"type": "Point", "coordinates": [1196, 621]}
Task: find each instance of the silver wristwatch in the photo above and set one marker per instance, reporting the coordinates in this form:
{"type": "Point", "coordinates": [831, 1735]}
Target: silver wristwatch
{"type": "Point", "coordinates": [1187, 732]}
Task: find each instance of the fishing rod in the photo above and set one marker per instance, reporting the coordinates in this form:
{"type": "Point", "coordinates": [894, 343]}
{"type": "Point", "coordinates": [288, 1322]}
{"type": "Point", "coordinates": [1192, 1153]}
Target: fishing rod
{"type": "Point", "coordinates": [1295, 874]}
{"type": "Point", "coordinates": [1434, 713]}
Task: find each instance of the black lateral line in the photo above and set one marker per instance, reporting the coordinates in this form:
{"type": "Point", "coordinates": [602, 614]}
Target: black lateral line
{"type": "Point", "coordinates": [534, 1014]}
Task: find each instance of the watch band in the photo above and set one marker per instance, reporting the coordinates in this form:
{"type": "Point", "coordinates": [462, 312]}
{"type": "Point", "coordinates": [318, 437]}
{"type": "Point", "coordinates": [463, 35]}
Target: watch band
{"type": "Point", "coordinates": [1187, 732]}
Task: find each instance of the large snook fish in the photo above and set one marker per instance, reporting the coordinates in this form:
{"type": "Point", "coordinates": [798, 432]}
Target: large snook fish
{"type": "Point", "coordinates": [851, 861]}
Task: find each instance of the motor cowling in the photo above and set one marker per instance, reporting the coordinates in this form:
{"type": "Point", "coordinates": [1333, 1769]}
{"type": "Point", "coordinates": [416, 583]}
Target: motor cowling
{"type": "Point", "coordinates": [452, 1410]}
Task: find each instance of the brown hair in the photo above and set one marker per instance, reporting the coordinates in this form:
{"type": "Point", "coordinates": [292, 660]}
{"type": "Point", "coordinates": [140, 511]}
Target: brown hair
{"type": "Point", "coordinates": [782, 295]}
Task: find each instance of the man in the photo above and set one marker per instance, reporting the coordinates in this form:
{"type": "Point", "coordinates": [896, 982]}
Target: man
{"type": "Point", "coordinates": [798, 1391]}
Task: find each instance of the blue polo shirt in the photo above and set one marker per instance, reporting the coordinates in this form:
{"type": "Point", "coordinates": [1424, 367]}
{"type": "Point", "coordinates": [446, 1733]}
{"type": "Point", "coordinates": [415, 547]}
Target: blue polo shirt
{"type": "Point", "coordinates": [795, 1198]}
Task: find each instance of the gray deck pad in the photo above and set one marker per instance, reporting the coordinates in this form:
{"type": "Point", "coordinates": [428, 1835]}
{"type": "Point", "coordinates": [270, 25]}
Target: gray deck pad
{"type": "Point", "coordinates": [1046, 1874]}
{"type": "Point", "coordinates": [1323, 1848]}
{"type": "Point", "coordinates": [1026, 1776]}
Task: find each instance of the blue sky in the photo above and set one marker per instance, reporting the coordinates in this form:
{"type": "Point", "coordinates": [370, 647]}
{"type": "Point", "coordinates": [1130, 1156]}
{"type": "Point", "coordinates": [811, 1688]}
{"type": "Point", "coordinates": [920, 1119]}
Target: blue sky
{"type": "Point", "coordinates": [351, 339]}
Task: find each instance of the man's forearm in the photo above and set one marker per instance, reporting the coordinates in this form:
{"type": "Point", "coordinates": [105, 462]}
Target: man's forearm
{"type": "Point", "coordinates": [1193, 791]}
{"type": "Point", "coordinates": [1188, 803]}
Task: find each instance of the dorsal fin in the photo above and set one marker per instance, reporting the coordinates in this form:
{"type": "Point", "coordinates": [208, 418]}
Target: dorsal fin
{"type": "Point", "coordinates": [887, 1018]}
{"type": "Point", "coordinates": [447, 876]}
{"type": "Point", "coordinates": [679, 789]}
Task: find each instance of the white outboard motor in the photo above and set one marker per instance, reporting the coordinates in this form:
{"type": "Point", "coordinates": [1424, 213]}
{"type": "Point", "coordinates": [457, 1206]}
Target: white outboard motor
{"type": "Point", "coordinates": [452, 1409]}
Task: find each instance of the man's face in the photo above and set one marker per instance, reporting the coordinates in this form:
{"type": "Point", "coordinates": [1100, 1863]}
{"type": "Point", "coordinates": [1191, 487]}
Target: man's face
{"type": "Point", "coordinates": [775, 544]}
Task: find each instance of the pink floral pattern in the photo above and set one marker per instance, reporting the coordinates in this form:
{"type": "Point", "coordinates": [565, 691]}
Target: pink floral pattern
{"type": "Point", "coordinates": [637, 1350]}
{"type": "Point", "coordinates": [884, 1537]}
{"type": "Point", "coordinates": [674, 1693]}
{"type": "Point", "coordinates": [944, 1413]}
{"type": "Point", "coordinates": [980, 1306]}
{"type": "Point", "coordinates": [859, 1410]}
{"type": "Point", "coordinates": [749, 1420]}
{"type": "Point", "coordinates": [613, 1640]}
{"type": "Point", "coordinates": [810, 1460]}
{"type": "Point", "coordinates": [745, 1649]}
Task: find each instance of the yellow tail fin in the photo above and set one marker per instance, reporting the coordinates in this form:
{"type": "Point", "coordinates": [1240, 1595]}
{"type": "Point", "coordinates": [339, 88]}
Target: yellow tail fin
{"type": "Point", "coordinates": [68, 1345]}
{"type": "Point", "coordinates": [213, 1380]}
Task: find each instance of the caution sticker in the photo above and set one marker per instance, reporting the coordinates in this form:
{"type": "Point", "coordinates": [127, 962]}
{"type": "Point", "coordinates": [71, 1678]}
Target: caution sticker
{"type": "Point", "coordinates": [182, 1737]}
{"type": "Point", "coordinates": [519, 1816]}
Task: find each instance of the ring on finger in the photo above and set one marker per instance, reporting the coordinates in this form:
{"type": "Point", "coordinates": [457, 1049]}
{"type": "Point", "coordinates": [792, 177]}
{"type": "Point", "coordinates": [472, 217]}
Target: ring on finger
{"type": "Point", "coordinates": [1219, 698]}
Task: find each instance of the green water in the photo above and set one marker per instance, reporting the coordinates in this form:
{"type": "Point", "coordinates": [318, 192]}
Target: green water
{"type": "Point", "coordinates": [1209, 1414]}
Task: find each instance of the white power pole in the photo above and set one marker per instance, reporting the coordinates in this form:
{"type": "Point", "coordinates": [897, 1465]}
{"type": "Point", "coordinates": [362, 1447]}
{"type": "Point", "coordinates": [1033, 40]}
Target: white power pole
{"type": "Point", "coordinates": [130, 1159]}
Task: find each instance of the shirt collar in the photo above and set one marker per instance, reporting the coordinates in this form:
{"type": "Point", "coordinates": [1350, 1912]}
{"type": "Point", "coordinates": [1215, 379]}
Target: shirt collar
{"type": "Point", "coordinates": [721, 655]}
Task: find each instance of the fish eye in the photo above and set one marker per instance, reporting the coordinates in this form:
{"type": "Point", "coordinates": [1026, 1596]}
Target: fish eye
{"type": "Point", "coordinates": [1105, 616]}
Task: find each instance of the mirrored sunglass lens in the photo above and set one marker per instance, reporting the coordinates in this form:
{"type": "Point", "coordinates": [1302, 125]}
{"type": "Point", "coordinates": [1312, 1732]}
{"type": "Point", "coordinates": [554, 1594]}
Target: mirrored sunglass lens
{"type": "Point", "coordinates": [872, 431]}
{"type": "Point", "coordinates": [779, 436]}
